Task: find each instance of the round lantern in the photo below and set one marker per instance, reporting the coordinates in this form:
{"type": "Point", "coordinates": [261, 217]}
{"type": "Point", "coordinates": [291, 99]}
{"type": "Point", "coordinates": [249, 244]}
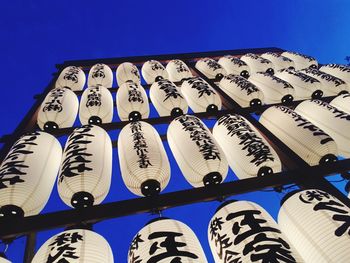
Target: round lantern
{"type": "Point", "coordinates": [333, 121]}
{"type": "Point", "coordinates": [153, 70]}
{"type": "Point", "coordinates": [200, 96]}
{"type": "Point", "coordinates": [247, 152]}
{"type": "Point", "coordinates": [132, 102]}
{"type": "Point", "coordinates": [233, 65]}
{"type": "Point", "coordinates": [340, 71]}
{"type": "Point", "coordinates": [3, 259]}
{"type": "Point", "coordinates": [72, 78]}
{"type": "Point", "coordinates": [143, 161]}
{"type": "Point", "coordinates": [199, 156]}
{"type": "Point", "coordinates": [178, 70]}
{"type": "Point", "coordinates": [166, 240]}
{"type": "Point", "coordinates": [76, 245]}
{"type": "Point", "coordinates": [96, 106]}
{"type": "Point", "coordinates": [301, 61]}
{"type": "Point", "coordinates": [100, 75]}
{"type": "Point", "coordinates": [210, 68]}
{"type": "Point", "coordinates": [316, 224]}
{"type": "Point", "coordinates": [86, 169]}
{"type": "Point", "coordinates": [167, 99]}
{"type": "Point", "coordinates": [242, 231]}
{"type": "Point", "coordinates": [58, 110]}
{"type": "Point", "coordinates": [279, 62]}
{"type": "Point", "coordinates": [342, 102]}
{"type": "Point", "coordinates": [245, 93]}
{"type": "Point", "coordinates": [311, 143]}
{"type": "Point", "coordinates": [258, 64]}
{"type": "Point", "coordinates": [28, 174]}
{"type": "Point", "coordinates": [127, 72]}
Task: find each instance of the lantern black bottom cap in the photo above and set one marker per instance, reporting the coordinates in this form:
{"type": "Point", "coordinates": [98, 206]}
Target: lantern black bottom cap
{"type": "Point", "coordinates": [158, 78]}
{"type": "Point", "coordinates": [176, 112]}
{"type": "Point", "coordinates": [135, 116]}
{"type": "Point", "coordinates": [50, 126]}
{"type": "Point", "coordinates": [287, 99]}
{"type": "Point", "coordinates": [317, 94]}
{"type": "Point", "coordinates": [270, 71]}
{"type": "Point", "coordinates": [245, 74]}
{"type": "Point", "coordinates": [219, 77]}
{"type": "Point", "coordinates": [212, 109]}
{"type": "Point", "coordinates": [343, 92]}
{"type": "Point", "coordinates": [255, 103]}
{"type": "Point", "coordinates": [150, 188]}
{"type": "Point", "coordinates": [8, 212]}
{"type": "Point", "coordinates": [82, 200]}
{"type": "Point", "coordinates": [265, 170]}
{"type": "Point", "coordinates": [213, 178]}
{"type": "Point", "coordinates": [95, 120]}
{"type": "Point", "coordinates": [328, 158]}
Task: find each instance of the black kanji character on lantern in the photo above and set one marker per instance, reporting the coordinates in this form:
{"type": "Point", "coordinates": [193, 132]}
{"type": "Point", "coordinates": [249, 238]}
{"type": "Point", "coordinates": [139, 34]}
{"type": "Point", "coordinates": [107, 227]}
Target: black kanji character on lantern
{"type": "Point", "coordinates": [98, 71]}
{"type": "Point", "coordinates": [169, 89]}
{"type": "Point", "coordinates": [134, 247]}
{"type": "Point", "coordinates": [62, 247]}
{"type": "Point", "coordinates": [140, 145]}
{"type": "Point", "coordinates": [134, 93]}
{"type": "Point", "coordinates": [55, 103]}
{"type": "Point", "coordinates": [94, 98]}
{"type": "Point", "coordinates": [72, 74]}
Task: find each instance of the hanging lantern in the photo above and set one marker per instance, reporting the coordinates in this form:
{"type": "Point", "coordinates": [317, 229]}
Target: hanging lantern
{"type": "Point", "coordinates": [340, 71]}
{"type": "Point", "coordinates": [76, 245]}
{"type": "Point", "coordinates": [333, 121]}
{"type": "Point", "coordinates": [311, 143]}
{"type": "Point", "coordinates": [200, 96]}
{"type": "Point", "coordinates": [233, 65]}
{"type": "Point", "coordinates": [242, 231]}
{"type": "Point", "coordinates": [167, 99]}
{"type": "Point", "coordinates": [247, 152]}
{"type": "Point", "coordinates": [245, 93]}
{"type": "Point", "coordinates": [279, 62]}
{"type": "Point", "coordinates": [86, 168]}
{"type": "Point", "coordinates": [199, 156]}
{"type": "Point", "coordinates": [178, 70]}
{"type": "Point", "coordinates": [3, 259]}
{"type": "Point", "coordinates": [28, 174]}
{"type": "Point", "coordinates": [258, 64]}
{"type": "Point", "coordinates": [210, 68]}
{"type": "Point", "coordinates": [72, 78]}
{"type": "Point", "coordinates": [100, 75]}
{"type": "Point", "coordinates": [342, 102]}
{"type": "Point", "coordinates": [166, 240]}
{"type": "Point", "coordinates": [316, 224]}
{"type": "Point", "coordinates": [153, 70]}
{"type": "Point", "coordinates": [144, 165]}
{"type": "Point", "coordinates": [301, 61]}
{"type": "Point", "coordinates": [127, 72]}
{"type": "Point", "coordinates": [132, 102]}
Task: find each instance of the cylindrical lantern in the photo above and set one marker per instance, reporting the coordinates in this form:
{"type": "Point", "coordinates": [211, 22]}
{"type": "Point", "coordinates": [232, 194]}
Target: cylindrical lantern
{"type": "Point", "coordinates": [234, 65]}
{"type": "Point", "coordinates": [100, 75]}
{"type": "Point", "coordinates": [167, 99]}
{"type": "Point", "coordinates": [333, 121]}
{"type": "Point", "coordinates": [199, 156]}
{"type": "Point", "coordinates": [3, 259]}
{"type": "Point", "coordinates": [72, 78]}
{"type": "Point", "coordinates": [247, 152]}
{"type": "Point", "coordinates": [28, 174]}
{"type": "Point", "coordinates": [132, 102]}
{"type": "Point", "coordinates": [210, 68]}
{"type": "Point", "coordinates": [166, 240]}
{"type": "Point", "coordinates": [258, 64]}
{"type": "Point", "coordinates": [127, 72]}
{"type": "Point", "coordinates": [311, 143]}
{"type": "Point", "coordinates": [76, 245]}
{"type": "Point", "coordinates": [200, 96]}
{"type": "Point", "coordinates": [86, 168]}
{"type": "Point", "coordinates": [279, 62]}
{"type": "Point", "coordinates": [153, 70]}
{"type": "Point", "coordinates": [178, 70]}
{"type": "Point", "coordinates": [317, 225]}
{"type": "Point", "coordinates": [342, 102]}
{"type": "Point", "coordinates": [340, 71]}
{"type": "Point", "coordinates": [242, 231]}
{"type": "Point", "coordinates": [96, 106]}
{"type": "Point", "coordinates": [301, 61]}
{"type": "Point", "coordinates": [144, 165]}
{"type": "Point", "coordinates": [245, 93]}
{"type": "Point", "coordinates": [58, 110]}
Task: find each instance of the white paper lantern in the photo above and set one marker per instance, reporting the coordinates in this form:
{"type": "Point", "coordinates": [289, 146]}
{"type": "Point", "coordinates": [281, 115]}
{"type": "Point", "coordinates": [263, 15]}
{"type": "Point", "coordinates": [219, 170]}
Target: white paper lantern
{"type": "Point", "coordinates": [132, 102]}
{"type": "Point", "coordinates": [242, 231]}
{"type": "Point", "coordinates": [28, 174]}
{"type": "Point", "coordinates": [86, 168]}
{"type": "Point", "coordinates": [144, 165]}
{"type": "Point", "coordinates": [333, 121]}
{"type": "Point", "coordinates": [72, 78]}
{"type": "Point", "coordinates": [3, 260]}
{"type": "Point", "coordinates": [178, 70]}
{"type": "Point", "coordinates": [199, 156]}
{"type": "Point", "coordinates": [76, 245]}
{"type": "Point", "coordinates": [258, 64]}
{"type": "Point", "coordinates": [210, 68]}
{"type": "Point", "coordinates": [167, 99]}
{"type": "Point", "coordinates": [340, 71]}
{"type": "Point", "coordinates": [316, 224]}
{"type": "Point", "coordinates": [100, 75]}
{"type": "Point", "coordinates": [234, 65]}
{"type": "Point", "coordinates": [245, 93]}
{"type": "Point", "coordinates": [153, 70]}
{"type": "Point", "coordinates": [200, 96]}
{"type": "Point", "coordinates": [127, 72]}
{"type": "Point", "coordinates": [311, 143]}
{"type": "Point", "coordinates": [166, 240]}
{"type": "Point", "coordinates": [342, 102]}
{"type": "Point", "coordinates": [96, 106]}
{"type": "Point", "coordinates": [279, 62]}
{"type": "Point", "coordinates": [247, 152]}
{"type": "Point", "coordinates": [58, 110]}
{"type": "Point", "coordinates": [301, 61]}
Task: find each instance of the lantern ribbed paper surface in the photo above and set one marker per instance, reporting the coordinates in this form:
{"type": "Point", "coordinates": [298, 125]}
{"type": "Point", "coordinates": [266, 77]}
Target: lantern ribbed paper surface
{"type": "Point", "coordinates": [316, 224]}
{"type": "Point", "coordinates": [76, 245]}
{"type": "Point", "coordinates": [96, 106]}
{"type": "Point", "coordinates": [28, 174]}
{"type": "Point", "coordinates": [100, 75]}
{"type": "Point", "coordinates": [340, 71]}
{"type": "Point", "coordinates": [167, 98]}
{"type": "Point", "coordinates": [86, 168]}
{"type": "Point", "coordinates": [301, 61]}
{"type": "Point", "coordinates": [72, 78]}
{"type": "Point", "coordinates": [342, 102]}
{"type": "Point", "coordinates": [178, 70]}
{"type": "Point", "coordinates": [279, 62]}
{"type": "Point", "coordinates": [153, 70]}
{"type": "Point", "coordinates": [58, 110]}
{"type": "Point", "coordinates": [333, 121]}
{"type": "Point", "coordinates": [165, 240]}
{"type": "Point", "coordinates": [127, 72]}
{"type": "Point", "coordinates": [247, 152]}
{"type": "Point", "coordinates": [4, 260]}
{"type": "Point", "coordinates": [210, 68]}
{"type": "Point", "coordinates": [233, 65]}
{"type": "Point", "coordinates": [308, 141]}
{"type": "Point", "coordinates": [258, 64]}
{"type": "Point", "coordinates": [242, 231]}
{"type": "Point", "coordinates": [199, 156]}
{"type": "Point", "coordinates": [144, 165]}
